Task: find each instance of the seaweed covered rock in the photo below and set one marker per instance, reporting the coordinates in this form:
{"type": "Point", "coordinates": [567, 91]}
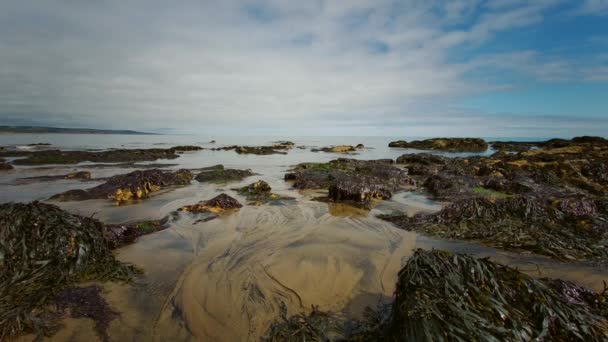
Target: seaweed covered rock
{"type": "Point", "coordinates": [513, 146]}
{"type": "Point", "coordinates": [74, 157]}
{"type": "Point", "coordinates": [565, 229]}
{"type": "Point", "coordinates": [124, 234]}
{"type": "Point", "coordinates": [130, 186]}
{"type": "Point", "coordinates": [359, 190]}
{"type": "Point", "coordinates": [337, 149]}
{"type": "Point", "coordinates": [219, 174]}
{"type": "Point", "coordinates": [259, 150]}
{"type": "Point", "coordinates": [43, 249]}
{"type": "Point", "coordinates": [214, 206]}
{"type": "Point", "coordinates": [186, 148]}
{"type": "Point", "coordinates": [351, 180]}
{"type": "Point", "coordinates": [444, 144]}
{"type": "Point", "coordinates": [442, 296]}
{"type": "Point", "coordinates": [260, 192]}
{"type": "Point", "coordinates": [553, 168]}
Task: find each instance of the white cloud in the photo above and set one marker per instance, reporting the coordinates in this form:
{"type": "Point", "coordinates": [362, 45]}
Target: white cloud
{"type": "Point", "coordinates": [148, 64]}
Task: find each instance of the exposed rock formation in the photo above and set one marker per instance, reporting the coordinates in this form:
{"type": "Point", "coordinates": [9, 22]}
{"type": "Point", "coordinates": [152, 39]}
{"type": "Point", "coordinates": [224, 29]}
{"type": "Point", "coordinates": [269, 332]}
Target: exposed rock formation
{"type": "Point", "coordinates": [444, 144]}
{"type": "Point", "coordinates": [130, 186]}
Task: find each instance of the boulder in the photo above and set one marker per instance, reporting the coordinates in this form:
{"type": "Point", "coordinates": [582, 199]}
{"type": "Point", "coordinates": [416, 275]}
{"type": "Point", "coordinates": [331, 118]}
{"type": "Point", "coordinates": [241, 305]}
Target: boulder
{"type": "Point", "coordinates": [130, 186]}
{"type": "Point", "coordinates": [219, 174]}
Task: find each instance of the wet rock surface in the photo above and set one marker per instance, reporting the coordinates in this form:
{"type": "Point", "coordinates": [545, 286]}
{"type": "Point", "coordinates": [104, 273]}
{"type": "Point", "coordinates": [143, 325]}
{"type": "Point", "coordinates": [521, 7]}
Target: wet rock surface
{"type": "Point", "coordinates": [219, 174]}
{"type": "Point", "coordinates": [350, 180]}
{"type": "Point", "coordinates": [131, 186]}
{"type": "Point", "coordinates": [548, 200]}
{"type": "Point", "coordinates": [444, 144]}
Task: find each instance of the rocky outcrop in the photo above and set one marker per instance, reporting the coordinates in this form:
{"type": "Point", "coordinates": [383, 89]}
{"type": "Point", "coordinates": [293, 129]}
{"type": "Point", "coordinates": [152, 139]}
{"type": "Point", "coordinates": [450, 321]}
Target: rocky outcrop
{"type": "Point", "coordinates": [110, 156]}
{"type": "Point", "coordinates": [186, 148]}
{"type": "Point", "coordinates": [351, 180]}
{"type": "Point", "coordinates": [219, 174]}
{"type": "Point", "coordinates": [549, 200]}
{"type": "Point", "coordinates": [131, 186]}
{"type": "Point", "coordinates": [259, 150]}
{"type": "Point", "coordinates": [337, 149]}
{"type": "Point", "coordinates": [215, 205]}
{"type": "Point", "coordinates": [119, 235]}
{"type": "Point", "coordinates": [444, 144]}
{"type": "Point", "coordinates": [260, 192]}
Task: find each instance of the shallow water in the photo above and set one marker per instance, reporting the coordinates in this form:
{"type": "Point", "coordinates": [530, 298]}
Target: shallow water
{"type": "Point", "coordinates": [227, 279]}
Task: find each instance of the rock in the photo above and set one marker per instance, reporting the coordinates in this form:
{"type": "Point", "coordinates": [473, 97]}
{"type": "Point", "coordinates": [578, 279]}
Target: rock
{"type": "Point", "coordinates": [130, 186]}
{"type": "Point", "coordinates": [589, 140]}
{"type": "Point", "coordinates": [513, 146]}
{"type": "Point", "coordinates": [82, 175]}
{"type": "Point", "coordinates": [360, 146]}
{"type": "Point", "coordinates": [212, 142]}
{"type": "Point", "coordinates": [351, 180]}
{"type": "Point", "coordinates": [258, 187]}
{"type": "Point", "coordinates": [186, 148]}
{"type": "Point", "coordinates": [358, 190]}
{"type": "Point", "coordinates": [440, 296]}
{"type": "Point", "coordinates": [259, 150]}
{"type": "Point", "coordinates": [337, 149]}
{"type": "Point", "coordinates": [124, 234]}
{"type": "Point", "coordinates": [421, 158]}
{"type": "Point", "coordinates": [260, 192]}
{"type": "Point", "coordinates": [285, 143]}
{"type": "Point", "coordinates": [561, 229]}
{"type": "Point", "coordinates": [74, 157]}
{"type": "Point", "coordinates": [217, 204]}
{"type": "Point", "coordinates": [444, 144]}
{"type": "Point", "coordinates": [218, 174]}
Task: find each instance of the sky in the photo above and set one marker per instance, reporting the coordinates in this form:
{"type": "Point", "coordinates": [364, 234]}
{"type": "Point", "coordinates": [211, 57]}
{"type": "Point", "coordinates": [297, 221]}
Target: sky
{"type": "Point", "coordinates": [491, 68]}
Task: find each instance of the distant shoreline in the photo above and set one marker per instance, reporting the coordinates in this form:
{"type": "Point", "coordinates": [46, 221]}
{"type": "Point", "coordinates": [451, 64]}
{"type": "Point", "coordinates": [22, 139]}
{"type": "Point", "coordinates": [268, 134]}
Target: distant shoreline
{"type": "Point", "coordinates": [62, 130]}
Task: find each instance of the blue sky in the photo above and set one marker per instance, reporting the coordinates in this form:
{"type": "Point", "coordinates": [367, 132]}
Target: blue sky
{"type": "Point", "coordinates": [401, 68]}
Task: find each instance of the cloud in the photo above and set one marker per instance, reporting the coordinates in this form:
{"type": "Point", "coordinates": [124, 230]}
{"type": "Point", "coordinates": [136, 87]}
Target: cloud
{"type": "Point", "coordinates": [593, 7]}
{"type": "Point", "coordinates": [245, 64]}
